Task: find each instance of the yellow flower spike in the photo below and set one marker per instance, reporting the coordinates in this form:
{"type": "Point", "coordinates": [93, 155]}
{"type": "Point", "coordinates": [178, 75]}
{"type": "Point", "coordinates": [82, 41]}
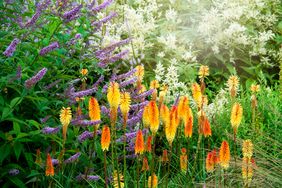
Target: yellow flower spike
{"type": "Point", "coordinates": [139, 143]}
{"type": "Point", "coordinates": [236, 116]}
{"type": "Point", "coordinates": [171, 128]}
{"type": "Point", "coordinates": [155, 181]}
{"type": "Point", "coordinates": [125, 103]}
{"type": "Point", "coordinates": [183, 107]}
{"type": "Point", "coordinates": [105, 138]}
{"type": "Point", "coordinates": [94, 110]}
{"type": "Point", "coordinates": [247, 170]}
{"type": "Point", "coordinates": [233, 84]}
{"type": "Point", "coordinates": [248, 148]}
{"type": "Point", "coordinates": [197, 95]}
{"type": "Point", "coordinates": [113, 95]}
{"type": "Point", "coordinates": [203, 71]}
{"type": "Point", "coordinates": [183, 160]}
{"type": "Point", "coordinates": [139, 72]}
{"type": "Point", "coordinates": [146, 116]}
{"type": "Point", "coordinates": [115, 180]}
{"type": "Point", "coordinates": [65, 118]}
{"type": "Point", "coordinates": [164, 115]}
{"type": "Point", "coordinates": [154, 84]}
{"type": "Point", "coordinates": [153, 113]}
{"type": "Point", "coordinates": [224, 155]}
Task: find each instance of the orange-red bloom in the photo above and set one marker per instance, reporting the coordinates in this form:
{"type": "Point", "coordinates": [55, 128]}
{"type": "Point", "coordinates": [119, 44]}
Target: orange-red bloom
{"type": "Point", "coordinates": [183, 107]}
{"type": "Point", "coordinates": [206, 127]}
{"type": "Point", "coordinates": [153, 113]}
{"type": "Point", "coordinates": [49, 166]}
{"type": "Point", "coordinates": [139, 143]}
{"type": "Point", "coordinates": [149, 144]}
{"type": "Point", "coordinates": [105, 138]}
{"type": "Point", "coordinates": [94, 110]}
{"type": "Point", "coordinates": [211, 161]}
{"type": "Point", "coordinates": [155, 181]}
{"type": "Point", "coordinates": [145, 166]}
{"type": "Point", "coordinates": [224, 155]}
{"type": "Point", "coordinates": [38, 159]}
{"type": "Point", "coordinates": [188, 129]}
{"type": "Point", "coordinates": [165, 156]}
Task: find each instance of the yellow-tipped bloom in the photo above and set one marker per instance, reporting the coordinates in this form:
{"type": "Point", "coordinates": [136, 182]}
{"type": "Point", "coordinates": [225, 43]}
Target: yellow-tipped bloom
{"type": "Point", "coordinates": [211, 161]}
{"type": "Point", "coordinates": [153, 113]}
{"type": "Point", "coordinates": [115, 180]}
{"type": "Point", "coordinates": [164, 115]}
{"type": "Point", "coordinates": [206, 127]}
{"type": "Point", "coordinates": [155, 181]}
{"type": "Point", "coordinates": [236, 116]}
{"type": "Point", "coordinates": [203, 71]}
{"type": "Point", "coordinates": [139, 72]}
{"type": "Point", "coordinates": [183, 107]}
{"type": "Point", "coordinates": [154, 84]}
{"type": "Point", "coordinates": [65, 118]}
{"type": "Point", "coordinates": [142, 89]}
{"type": "Point", "coordinates": [113, 95]}
{"type": "Point", "coordinates": [247, 170]}
{"type": "Point", "coordinates": [146, 116]}
{"type": "Point", "coordinates": [145, 165]}
{"type": "Point", "coordinates": [255, 88]}
{"type": "Point", "coordinates": [233, 84]}
{"type": "Point", "coordinates": [49, 166]}
{"type": "Point", "coordinates": [84, 72]}
{"type": "Point", "coordinates": [171, 128]}
{"type": "Point", "coordinates": [38, 159]}
{"type": "Point", "coordinates": [125, 103]}
{"type": "Point", "coordinates": [139, 143]}
{"type": "Point", "coordinates": [94, 109]}
{"type": "Point", "coordinates": [188, 129]}
{"type": "Point", "coordinates": [183, 160]}
{"type": "Point", "coordinates": [105, 138]}
{"type": "Point", "coordinates": [248, 148]}
{"type": "Point", "coordinates": [197, 95]}
{"type": "Point", "coordinates": [224, 155]}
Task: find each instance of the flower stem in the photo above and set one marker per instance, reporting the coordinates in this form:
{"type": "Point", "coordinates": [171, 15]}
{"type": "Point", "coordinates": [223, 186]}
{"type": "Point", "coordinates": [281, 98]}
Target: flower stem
{"type": "Point", "coordinates": [105, 169]}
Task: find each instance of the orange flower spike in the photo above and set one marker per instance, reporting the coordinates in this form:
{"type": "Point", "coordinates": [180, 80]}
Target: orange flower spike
{"type": "Point", "coordinates": [139, 72]}
{"type": "Point", "coordinates": [153, 113]}
{"type": "Point", "coordinates": [94, 110]}
{"type": "Point", "coordinates": [210, 163]}
{"type": "Point", "coordinates": [105, 138]}
{"type": "Point", "coordinates": [49, 166]}
{"type": "Point", "coordinates": [155, 181]}
{"type": "Point", "coordinates": [65, 118]}
{"type": "Point", "coordinates": [170, 129]}
{"type": "Point", "coordinates": [146, 116]}
{"type": "Point", "coordinates": [183, 160]}
{"type": "Point", "coordinates": [188, 129]}
{"type": "Point", "coordinates": [149, 144]}
{"type": "Point", "coordinates": [165, 156]}
{"type": "Point", "coordinates": [224, 155]}
{"type": "Point", "coordinates": [139, 143]}
{"type": "Point", "coordinates": [164, 115]}
{"type": "Point", "coordinates": [207, 127]}
{"type": "Point", "coordinates": [145, 166]}
{"type": "Point", "coordinates": [197, 95]}
{"type": "Point", "coordinates": [183, 106]}
{"type": "Point", "coordinates": [113, 95]}
{"type": "Point", "coordinates": [236, 116]}
{"type": "Point", "coordinates": [38, 157]}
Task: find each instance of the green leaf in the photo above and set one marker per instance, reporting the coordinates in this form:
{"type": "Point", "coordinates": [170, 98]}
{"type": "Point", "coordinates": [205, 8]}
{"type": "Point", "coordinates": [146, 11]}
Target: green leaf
{"type": "Point", "coordinates": [16, 101]}
{"type": "Point", "coordinates": [18, 147]}
{"type": "Point", "coordinates": [17, 182]}
{"type": "Point", "coordinates": [6, 112]}
{"type": "Point", "coordinates": [5, 151]}
{"type": "Point", "coordinates": [17, 127]}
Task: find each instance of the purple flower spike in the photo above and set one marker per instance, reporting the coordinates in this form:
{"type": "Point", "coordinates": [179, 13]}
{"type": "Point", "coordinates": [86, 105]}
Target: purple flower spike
{"type": "Point", "coordinates": [128, 82]}
{"type": "Point", "coordinates": [52, 84]}
{"type": "Point", "coordinates": [85, 123]}
{"type": "Point", "coordinates": [55, 162]}
{"type": "Point", "coordinates": [144, 94]}
{"type": "Point", "coordinates": [49, 48]}
{"type": "Point", "coordinates": [72, 13]}
{"type": "Point", "coordinates": [33, 19]}
{"type": "Point", "coordinates": [84, 136]}
{"type": "Point", "coordinates": [77, 36]}
{"type": "Point", "coordinates": [11, 48]}
{"type": "Point", "coordinates": [138, 106]}
{"type": "Point", "coordinates": [84, 92]}
{"type": "Point", "coordinates": [102, 6]}
{"type": "Point", "coordinates": [43, 120]}
{"type": "Point", "coordinates": [105, 110]}
{"type": "Point", "coordinates": [126, 75]}
{"type": "Point", "coordinates": [43, 5]}
{"type": "Point", "coordinates": [101, 79]}
{"type": "Point", "coordinates": [14, 172]}
{"type": "Point", "coordinates": [50, 130]}
{"type": "Point", "coordinates": [112, 59]}
{"type": "Point", "coordinates": [99, 23]}
{"type": "Point", "coordinates": [89, 177]}
{"type": "Point", "coordinates": [19, 73]}
{"type": "Point", "coordinates": [72, 158]}
{"type": "Point", "coordinates": [33, 80]}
